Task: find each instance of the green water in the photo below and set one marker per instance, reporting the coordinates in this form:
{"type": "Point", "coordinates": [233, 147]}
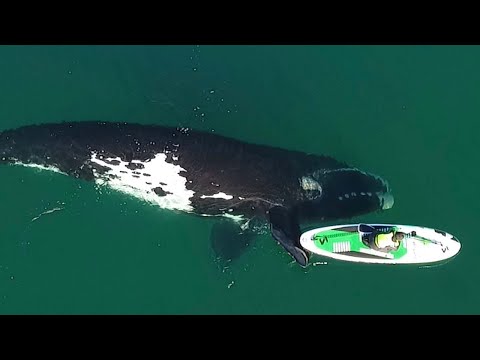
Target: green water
{"type": "Point", "coordinates": [408, 113]}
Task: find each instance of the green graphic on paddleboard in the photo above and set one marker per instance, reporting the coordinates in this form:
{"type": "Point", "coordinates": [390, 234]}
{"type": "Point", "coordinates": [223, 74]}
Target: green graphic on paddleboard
{"type": "Point", "coordinates": [337, 241]}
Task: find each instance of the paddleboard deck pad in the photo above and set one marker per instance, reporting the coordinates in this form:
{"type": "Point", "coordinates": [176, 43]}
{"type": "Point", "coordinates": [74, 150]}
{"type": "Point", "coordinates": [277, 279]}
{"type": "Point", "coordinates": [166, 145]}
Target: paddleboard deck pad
{"type": "Point", "coordinates": [381, 243]}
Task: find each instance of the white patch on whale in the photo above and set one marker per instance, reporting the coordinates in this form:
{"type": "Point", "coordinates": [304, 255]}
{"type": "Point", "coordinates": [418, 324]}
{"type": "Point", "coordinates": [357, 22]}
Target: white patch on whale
{"type": "Point", "coordinates": [219, 195]}
{"type": "Point", "coordinates": [236, 218]}
{"type": "Point", "coordinates": [40, 167]}
{"type": "Point", "coordinates": [162, 174]}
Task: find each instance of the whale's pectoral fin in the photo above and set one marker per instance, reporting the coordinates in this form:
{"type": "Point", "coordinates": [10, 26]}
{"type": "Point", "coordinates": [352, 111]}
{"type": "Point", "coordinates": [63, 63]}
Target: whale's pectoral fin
{"type": "Point", "coordinates": [229, 241]}
{"type": "Point", "coordinates": [286, 230]}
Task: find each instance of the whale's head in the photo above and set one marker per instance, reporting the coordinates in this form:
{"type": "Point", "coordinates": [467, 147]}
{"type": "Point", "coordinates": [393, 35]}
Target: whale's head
{"type": "Point", "coordinates": [343, 193]}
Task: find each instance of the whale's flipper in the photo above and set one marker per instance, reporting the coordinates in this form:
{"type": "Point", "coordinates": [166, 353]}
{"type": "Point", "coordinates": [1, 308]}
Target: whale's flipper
{"type": "Point", "coordinates": [229, 241]}
{"type": "Point", "coordinates": [286, 230]}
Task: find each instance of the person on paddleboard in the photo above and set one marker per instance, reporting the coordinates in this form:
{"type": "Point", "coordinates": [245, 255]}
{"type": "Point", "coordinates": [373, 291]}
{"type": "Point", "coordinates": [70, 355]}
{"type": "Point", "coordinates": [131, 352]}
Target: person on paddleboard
{"type": "Point", "coordinates": [384, 241]}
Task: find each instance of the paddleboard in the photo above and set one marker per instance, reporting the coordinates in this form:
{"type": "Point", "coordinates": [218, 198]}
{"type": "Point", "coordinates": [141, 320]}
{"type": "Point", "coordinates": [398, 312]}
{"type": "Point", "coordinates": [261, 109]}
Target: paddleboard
{"type": "Point", "coordinates": [381, 243]}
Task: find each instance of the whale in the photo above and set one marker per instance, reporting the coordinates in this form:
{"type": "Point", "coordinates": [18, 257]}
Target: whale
{"type": "Point", "coordinates": [246, 187]}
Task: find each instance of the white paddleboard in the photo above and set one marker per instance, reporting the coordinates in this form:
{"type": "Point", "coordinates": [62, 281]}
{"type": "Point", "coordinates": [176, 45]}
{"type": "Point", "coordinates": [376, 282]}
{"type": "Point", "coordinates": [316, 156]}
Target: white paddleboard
{"type": "Point", "coordinates": [378, 244]}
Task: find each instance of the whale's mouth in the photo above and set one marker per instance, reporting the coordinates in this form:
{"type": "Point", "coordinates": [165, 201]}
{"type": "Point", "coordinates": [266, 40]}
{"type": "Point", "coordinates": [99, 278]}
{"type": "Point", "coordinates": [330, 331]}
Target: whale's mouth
{"type": "Point", "coordinates": [347, 193]}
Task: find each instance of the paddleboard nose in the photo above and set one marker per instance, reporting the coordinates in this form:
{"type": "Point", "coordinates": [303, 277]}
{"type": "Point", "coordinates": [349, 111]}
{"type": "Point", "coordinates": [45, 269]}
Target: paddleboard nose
{"type": "Point", "coordinates": [454, 246]}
